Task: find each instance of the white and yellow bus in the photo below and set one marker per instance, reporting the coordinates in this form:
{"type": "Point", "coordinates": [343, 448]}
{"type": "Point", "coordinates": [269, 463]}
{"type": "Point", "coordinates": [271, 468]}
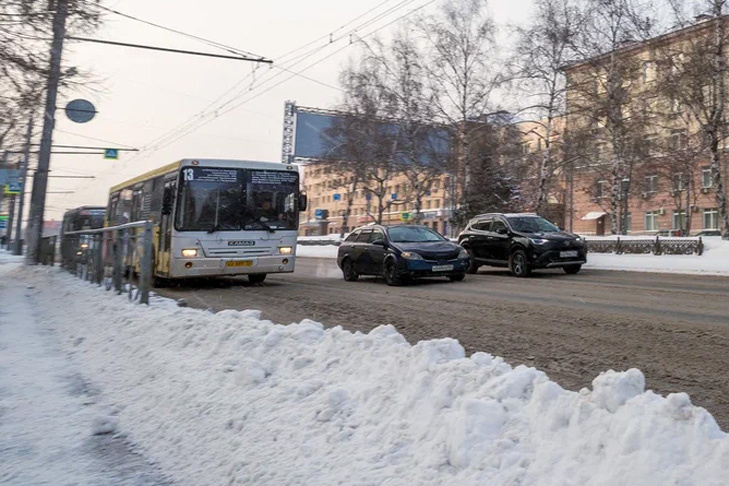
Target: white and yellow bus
{"type": "Point", "coordinates": [215, 217]}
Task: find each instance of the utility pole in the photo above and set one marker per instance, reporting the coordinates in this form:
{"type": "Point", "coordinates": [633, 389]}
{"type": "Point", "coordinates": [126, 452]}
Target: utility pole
{"type": "Point", "coordinates": [18, 248]}
{"type": "Point", "coordinates": [40, 181]}
{"type": "Point", "coordinates": [2, 187]}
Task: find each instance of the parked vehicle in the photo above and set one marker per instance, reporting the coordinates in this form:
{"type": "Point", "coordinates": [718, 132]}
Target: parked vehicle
{"type": "Point", "coordinates": [709, 233]}
{"type": "Point", "coordinates": [521, 242]}
{"type": "Point", "coordinates": [401, 253]}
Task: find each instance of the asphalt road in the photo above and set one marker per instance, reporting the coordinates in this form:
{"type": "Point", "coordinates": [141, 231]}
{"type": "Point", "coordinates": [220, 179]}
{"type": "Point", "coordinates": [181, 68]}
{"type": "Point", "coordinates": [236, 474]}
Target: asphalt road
{"type": "Point", "coordinates": [675, 328]}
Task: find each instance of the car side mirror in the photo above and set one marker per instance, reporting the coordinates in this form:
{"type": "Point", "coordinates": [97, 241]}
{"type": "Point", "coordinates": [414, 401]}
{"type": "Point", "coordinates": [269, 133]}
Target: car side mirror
{"type": "Point", "coordinates": [167, 200]}
{"type": "Point", "coordinates": [501, 231]}
{"type": "Point", "coordinates": [379, 242]}
{"type": "Point", "coordinates": [303, 202]}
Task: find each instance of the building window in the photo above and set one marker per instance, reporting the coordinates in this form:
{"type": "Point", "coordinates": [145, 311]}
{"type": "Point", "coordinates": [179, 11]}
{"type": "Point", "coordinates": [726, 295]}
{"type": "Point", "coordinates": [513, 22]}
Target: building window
{"type": "Point", "coordinates": [600, 189]}
{"type": "Point", "coordinates": [435, 225]}
{"type": "Point", "coordinates": [679, 219]}
{"type": "Point", "coordinates": [651, 220]}
{"type": "Point", "coordinates": [436, 204]}
{"type": "Point", "coordinates": [649, 71]}
{"type": "Point", "coordinates": [679, 182]}
{"type": "Point", "coordinates": [651, 184]}
{"type": "Point", "coordinates": [679, 140]}
{"type": "Point", "coordinates": [711, 219]}
{"type": "Point", "coordinates": [627, 222]}
{"type": "Point", "coordinates": [706, 179]}
{"type": "Point", "coordinates": [436, 185]}
{"type": "Point", "coordinates": [427, 204]}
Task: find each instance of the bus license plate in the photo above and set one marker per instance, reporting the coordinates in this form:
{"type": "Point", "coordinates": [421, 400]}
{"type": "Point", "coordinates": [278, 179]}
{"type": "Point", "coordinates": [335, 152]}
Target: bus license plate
{"type": "Point", "coordinates": [442, 268]}
{"type": "Point", "coordinates": [568, 254]}
{"type": "Point", "coordinates": [239, 263]}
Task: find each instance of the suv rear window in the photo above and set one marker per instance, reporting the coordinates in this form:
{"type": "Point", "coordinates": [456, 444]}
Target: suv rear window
{"type": "Point", "coordinates": [484, 225]}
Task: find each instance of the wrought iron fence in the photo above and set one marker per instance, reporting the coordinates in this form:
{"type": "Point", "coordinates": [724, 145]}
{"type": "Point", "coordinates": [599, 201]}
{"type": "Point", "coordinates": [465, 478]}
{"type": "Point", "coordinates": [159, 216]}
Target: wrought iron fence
{"type": "Point", "coordinates": [118, 257]}
{"type": "Point", "coordinates": [655, 246]}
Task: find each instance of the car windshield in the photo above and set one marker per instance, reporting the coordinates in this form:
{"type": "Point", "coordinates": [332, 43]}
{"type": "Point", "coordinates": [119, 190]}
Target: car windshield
{"type": "Point", "coordinates": [413, 234]}
{"type": "Point", "coordinates": [531, 224]}
{"type": "Point", "coordinates": [224, 199]}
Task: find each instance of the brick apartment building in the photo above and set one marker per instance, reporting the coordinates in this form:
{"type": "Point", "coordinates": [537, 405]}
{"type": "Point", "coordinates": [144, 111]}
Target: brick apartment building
{"type": "Point", "coordinates": [328, 202]}
{"type": "Point", "coordinates": [660, 195]}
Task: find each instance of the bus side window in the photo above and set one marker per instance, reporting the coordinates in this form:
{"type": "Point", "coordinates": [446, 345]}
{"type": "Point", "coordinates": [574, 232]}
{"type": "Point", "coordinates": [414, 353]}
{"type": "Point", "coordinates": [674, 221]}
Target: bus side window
{"type": "Point", "coordinates": [157, 192]}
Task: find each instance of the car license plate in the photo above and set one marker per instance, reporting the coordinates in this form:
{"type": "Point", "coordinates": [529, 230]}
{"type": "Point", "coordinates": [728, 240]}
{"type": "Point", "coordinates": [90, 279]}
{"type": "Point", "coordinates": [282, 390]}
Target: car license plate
{"type": "Point", "coordinates": [239, 263]}
{"type": "Point", "coordinates": [568, 254]}
{"type": "Point", "coordinates": [442, 268]}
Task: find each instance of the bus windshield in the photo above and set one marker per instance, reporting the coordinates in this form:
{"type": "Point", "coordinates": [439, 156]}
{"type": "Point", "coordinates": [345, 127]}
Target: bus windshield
{"type": "Point", "coordinates": [223, 199]}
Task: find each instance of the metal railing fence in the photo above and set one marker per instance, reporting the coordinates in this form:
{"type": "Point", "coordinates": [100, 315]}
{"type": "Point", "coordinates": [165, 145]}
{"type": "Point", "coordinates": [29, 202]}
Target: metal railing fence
{"type": "Point", "coordinates": [112, 257]}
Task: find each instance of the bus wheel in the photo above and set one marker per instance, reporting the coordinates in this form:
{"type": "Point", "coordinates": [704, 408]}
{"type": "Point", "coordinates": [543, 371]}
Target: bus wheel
{"type": "Point", "coordinates": [256, 278]}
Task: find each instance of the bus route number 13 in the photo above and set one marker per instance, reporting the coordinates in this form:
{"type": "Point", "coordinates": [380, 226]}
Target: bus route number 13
{"type": "Point", "coordinates": [189, 174]}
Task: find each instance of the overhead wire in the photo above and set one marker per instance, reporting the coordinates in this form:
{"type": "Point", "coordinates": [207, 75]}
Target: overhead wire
{"type": "Point", "coordinates": [203, 117]}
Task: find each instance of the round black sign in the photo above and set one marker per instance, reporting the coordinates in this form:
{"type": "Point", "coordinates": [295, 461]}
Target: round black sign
{"type": "Point", "coordinates": [80, 111]}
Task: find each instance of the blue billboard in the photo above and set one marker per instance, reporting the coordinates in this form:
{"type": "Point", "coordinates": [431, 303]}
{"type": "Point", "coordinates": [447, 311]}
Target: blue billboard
{"type": "Point", "coordinates": [322, 135]}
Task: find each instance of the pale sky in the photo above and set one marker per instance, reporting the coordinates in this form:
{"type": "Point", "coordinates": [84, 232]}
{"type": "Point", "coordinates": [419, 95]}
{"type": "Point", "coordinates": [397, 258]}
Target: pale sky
{"type": "Point", "coordinates": [141, 95]}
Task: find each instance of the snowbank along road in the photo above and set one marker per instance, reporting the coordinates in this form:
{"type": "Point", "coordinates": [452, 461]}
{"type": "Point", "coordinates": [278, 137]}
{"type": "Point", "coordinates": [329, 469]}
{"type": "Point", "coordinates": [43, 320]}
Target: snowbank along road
{"type": "Point", "coordinates": [675, 328]}
{"type": "Point", "coordinates": [229, 398]}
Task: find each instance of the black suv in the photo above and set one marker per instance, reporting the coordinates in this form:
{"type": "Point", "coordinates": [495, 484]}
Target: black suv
{"type": "Point", "coordinates": [521, 242]}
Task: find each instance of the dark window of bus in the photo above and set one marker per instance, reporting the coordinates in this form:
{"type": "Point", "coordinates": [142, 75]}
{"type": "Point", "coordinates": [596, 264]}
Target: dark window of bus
{"type": "Point", "coordinates": [272, 200]}
{"type": "Point", "coordinates": [124, 207]}
{"type": "Point", "coordinates": [210, 199]}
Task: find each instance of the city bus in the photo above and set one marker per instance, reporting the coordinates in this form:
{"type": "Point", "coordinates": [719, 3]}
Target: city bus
{"type": "Point", "coordinates": [73, 247]}
{"type": "Point", "coordinates": [215, 217]}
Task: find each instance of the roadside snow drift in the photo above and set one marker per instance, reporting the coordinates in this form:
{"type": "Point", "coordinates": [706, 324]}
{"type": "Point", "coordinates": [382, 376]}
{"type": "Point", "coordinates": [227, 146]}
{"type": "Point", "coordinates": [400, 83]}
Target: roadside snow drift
{"type": "Point", "coordinates": [230, 399]}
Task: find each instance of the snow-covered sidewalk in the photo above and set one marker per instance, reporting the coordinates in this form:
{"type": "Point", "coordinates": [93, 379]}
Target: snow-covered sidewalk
{"type": "Point", "coordinates": [48, 414]}
{"type": "Point", "coordinates": [229, 398]}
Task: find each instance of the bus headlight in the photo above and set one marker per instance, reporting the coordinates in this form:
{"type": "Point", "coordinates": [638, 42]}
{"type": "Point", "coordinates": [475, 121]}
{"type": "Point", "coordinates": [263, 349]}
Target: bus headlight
{"type": "Point", "coordinates": [189, 252]}
{"type": "Point", "coordinates": [84, 245]}
{"type": "Point", "coordinates": [285, 250]}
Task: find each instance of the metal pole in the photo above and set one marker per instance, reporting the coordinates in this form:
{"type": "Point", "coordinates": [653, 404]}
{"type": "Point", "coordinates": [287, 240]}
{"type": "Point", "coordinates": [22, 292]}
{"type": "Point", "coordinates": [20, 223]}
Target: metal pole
{"type": "Point", "coordinates": [117, 272]}
{"type": "Point", "coordinates": [145, 273]}
{"type": "Point", "coordinates": [11, 217]}
{"type": "Point", "coordinates": [40, 181]}
{"type": "Point", "coordinates": [2, 186]}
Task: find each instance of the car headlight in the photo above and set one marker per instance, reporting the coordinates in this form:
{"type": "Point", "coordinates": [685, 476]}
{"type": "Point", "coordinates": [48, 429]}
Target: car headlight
{"type": "Point", "coordinates": [579, 242]}
{"type": "Point", "coordinates": [189, 252]}
{"type": "Point", "coordinates": [84, 245]}
{"type": "Point", "coordinates": [285, 250]}
{"type": "Point", "coordinates": [411, 255]}
{"type": "Point", "coordinates": [539, 241]}
{"type": "Point", "coordinates": [464, 254]}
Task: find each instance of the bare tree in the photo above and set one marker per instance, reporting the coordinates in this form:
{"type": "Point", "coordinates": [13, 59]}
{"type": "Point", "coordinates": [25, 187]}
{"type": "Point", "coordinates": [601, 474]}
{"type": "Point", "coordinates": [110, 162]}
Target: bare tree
{"type": "Point", "coordinates": [542, 51]}
{"type": "Point", "coordinates": [611, 101]}
{"type": "Point", "coordinates": [422, 147]}
{"type": "Point", "coordinates": [462, 75]}
{"type": "Point", "coordinates": [694, 78]}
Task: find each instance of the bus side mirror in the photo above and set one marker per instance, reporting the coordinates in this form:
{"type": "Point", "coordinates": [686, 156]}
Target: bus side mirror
{"type": "Point", "coordinates": [303, 202]}
{"type": "Point", "coordinates": [167, 200]}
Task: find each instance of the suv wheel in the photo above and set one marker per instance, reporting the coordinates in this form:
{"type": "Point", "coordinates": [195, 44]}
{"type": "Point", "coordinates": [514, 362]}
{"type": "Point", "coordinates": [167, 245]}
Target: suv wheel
{"type": "Point", "coordinates": [572, 269]}
{"type": "Point", "coordinates": [389, 273]}
{"type": "Point", "coordinates": [519, 265]}
{"type": "Point", "coordinates": [348, 271]}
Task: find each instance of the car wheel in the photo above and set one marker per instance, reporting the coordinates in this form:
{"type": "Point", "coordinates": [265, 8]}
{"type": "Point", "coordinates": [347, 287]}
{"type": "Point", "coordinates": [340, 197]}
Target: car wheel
{"type": "Point", "coordinates": [389, 273]}
{"type": "Point", "coordinates": [572, 269]}
{"type": "Point", "coordinates": [457, 278]}
{"type": "Point", "coordinates": [518, 264]}
{"type": "Point", "coordinates": [256, 278]}
{"type": "Point", "coordinates": [348, 271]}
{"type": "Point", "coordinates": [472, 265]}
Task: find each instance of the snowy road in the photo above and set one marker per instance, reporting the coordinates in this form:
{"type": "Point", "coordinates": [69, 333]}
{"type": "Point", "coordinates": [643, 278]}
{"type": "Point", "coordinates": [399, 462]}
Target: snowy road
{"type": "Point", "coordinates": [48, 409]}
{"type": "Point", "coordinates": [674, 328]}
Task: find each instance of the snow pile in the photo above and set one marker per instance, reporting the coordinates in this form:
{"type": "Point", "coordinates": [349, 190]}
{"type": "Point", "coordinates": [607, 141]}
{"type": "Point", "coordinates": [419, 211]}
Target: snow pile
{"type": "Point", "coordinates": [229, 398]}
